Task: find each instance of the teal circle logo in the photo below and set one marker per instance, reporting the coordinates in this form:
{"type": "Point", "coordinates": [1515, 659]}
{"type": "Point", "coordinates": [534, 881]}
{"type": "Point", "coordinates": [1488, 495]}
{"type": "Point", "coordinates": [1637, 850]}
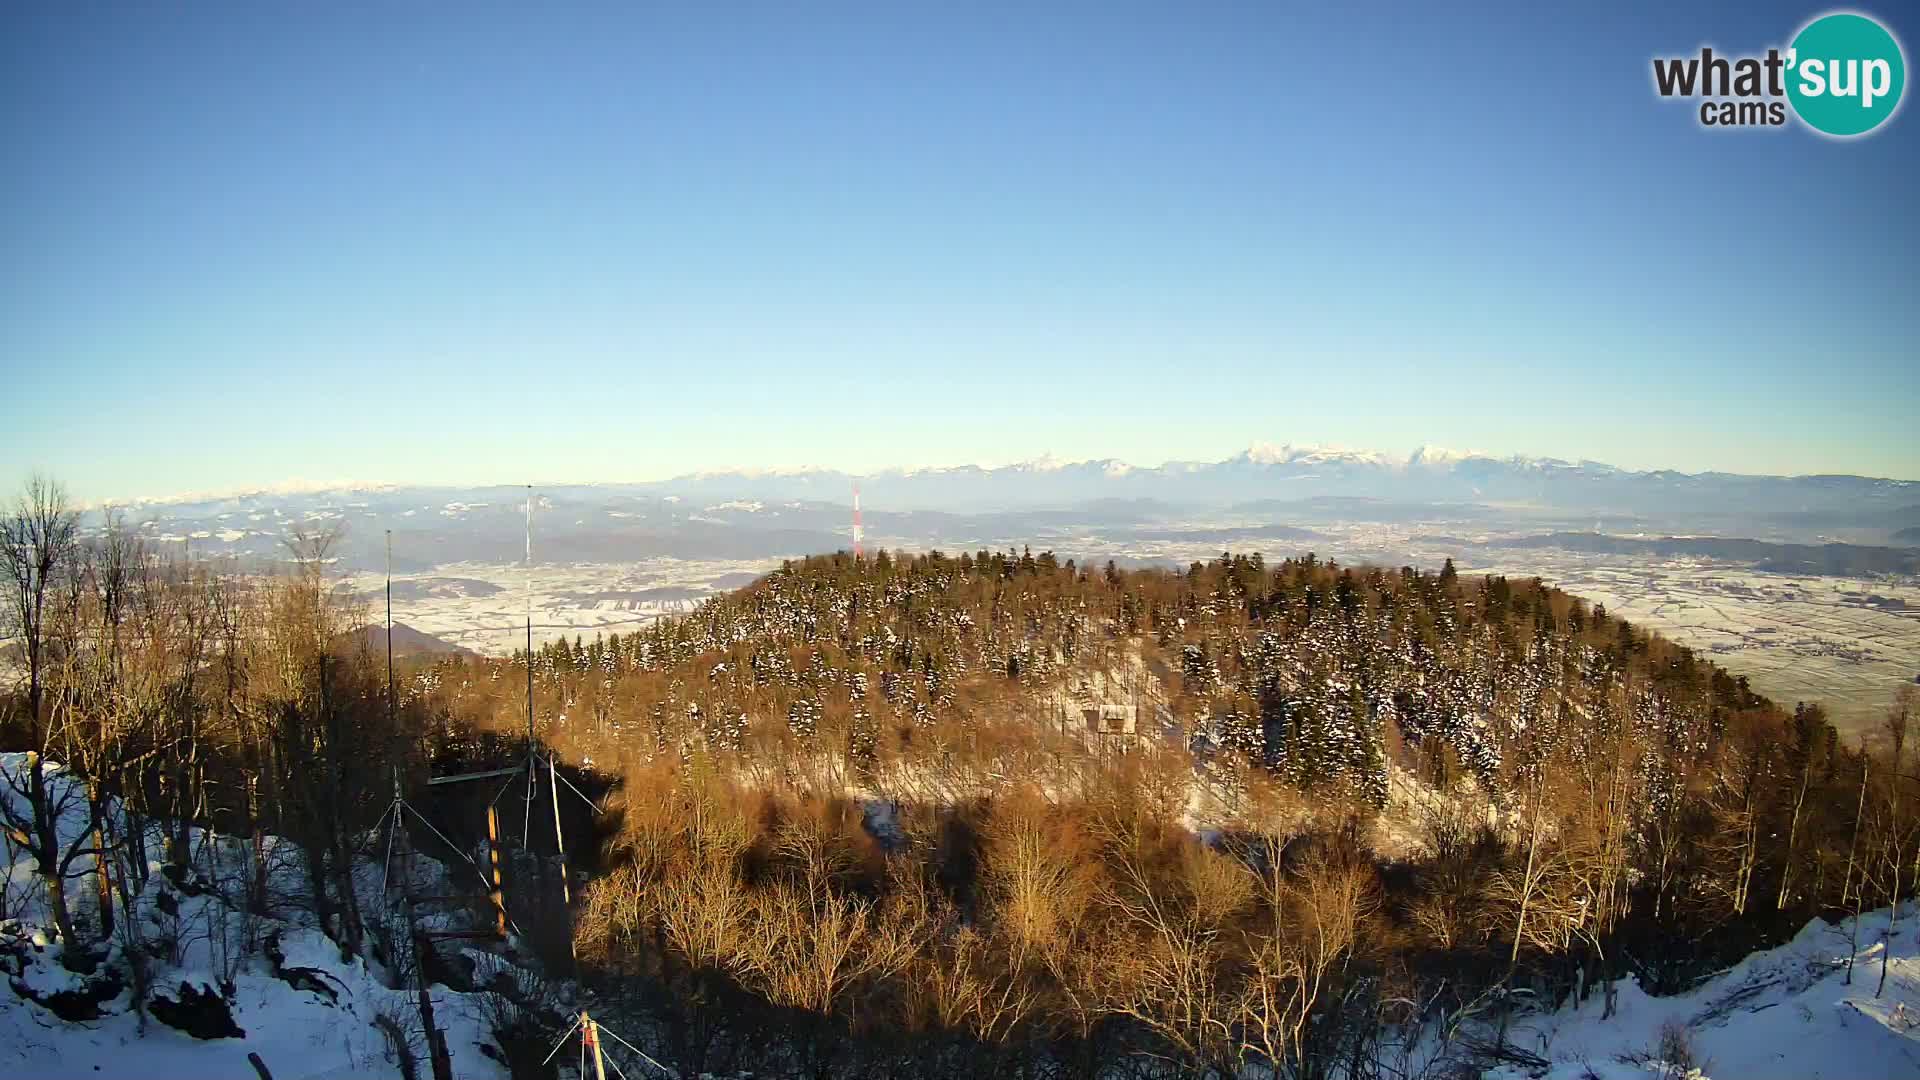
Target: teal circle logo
{"type": "Point", "coordinates": [1845, 73]}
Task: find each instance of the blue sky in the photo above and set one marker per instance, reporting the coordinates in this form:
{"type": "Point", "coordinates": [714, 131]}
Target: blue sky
{"type": "Point", "coordinates": [245, 244]}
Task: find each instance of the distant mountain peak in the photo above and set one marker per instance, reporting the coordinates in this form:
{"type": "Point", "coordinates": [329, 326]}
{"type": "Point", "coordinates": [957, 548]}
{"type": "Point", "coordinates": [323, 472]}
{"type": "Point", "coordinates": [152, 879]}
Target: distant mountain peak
{"type": "Point", "coordinates": [1044, 463]}
{"type": "Point", "coordinates": [1266, 453]}
{"type": "Point", "coordinates": [1262, 470]}
{"type": "Point", "coordinates": [1432, 456]}
{"type": "Point", "coordinates": [1287, 470]}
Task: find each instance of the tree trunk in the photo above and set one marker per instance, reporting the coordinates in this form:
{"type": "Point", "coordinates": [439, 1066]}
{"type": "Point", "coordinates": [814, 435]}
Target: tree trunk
{"type": "Point", "coordinates": [1893, 917]}
{"type": "Point", "coordinates": [57, 906]}
{"type": "Point", "coordinates": [132, 945]}
{"type": "Point", "coordinates": [103, 880]}
{"type": "Point", "coordinates": [316, 862]}
{"type": "Point", "coordinates": [1859, 815]}
{"type": "Point", "coordinates": [352, 929]}
{"type": "Point", "coordinates": [1895, 857]}
{"type": "Point", "coordinates": [1853, 846]}
{"type": "Point", "coordinates": [1893, 914]}
{"type": "Point", "coordinates": [1526, 896]}
{"type": "Point", "coordinates": [1749, 843]}
{"type": "Point", "coordinates": [1793, 833]}
{"type": "Point", "coordinates": [46, 854]}
{"type": "Point", "coordinates": [257, 891]}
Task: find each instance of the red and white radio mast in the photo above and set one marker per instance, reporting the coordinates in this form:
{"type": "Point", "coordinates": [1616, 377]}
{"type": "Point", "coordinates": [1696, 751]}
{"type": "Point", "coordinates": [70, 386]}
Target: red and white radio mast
{"type": "Point", "coordinates": [857, 533]}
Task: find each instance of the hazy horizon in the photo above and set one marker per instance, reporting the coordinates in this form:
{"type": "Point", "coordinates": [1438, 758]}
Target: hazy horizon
{"type": "Point", "coordinates": [1043, 461]}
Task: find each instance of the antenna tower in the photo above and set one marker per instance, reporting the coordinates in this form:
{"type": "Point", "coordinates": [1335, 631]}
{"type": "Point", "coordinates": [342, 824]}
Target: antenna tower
{"type": "Point", "coordinates": [533, 774]}
{"type": "Point", "coordinates": [529, 580]}
{"type": "Point", "coordinates": [857, 533]}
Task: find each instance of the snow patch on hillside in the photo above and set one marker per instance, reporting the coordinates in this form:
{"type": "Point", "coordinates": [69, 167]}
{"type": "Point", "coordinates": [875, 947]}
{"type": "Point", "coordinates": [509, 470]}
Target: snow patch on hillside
{"type": "Point", "coordinates": [1786, 1013]}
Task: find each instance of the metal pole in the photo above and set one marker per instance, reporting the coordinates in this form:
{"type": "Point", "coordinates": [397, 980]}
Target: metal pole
{"type": "Point", "coordinates": [395, 810]}
{"type": "Point", "coordinates": [390, 695]}
{"type": "Point", "coordinates": [859, 534]}
{"type": "Point", "coordinates": [441, 1064]}
{"type": "Point", "coordinates": [437, 1057]}
{"type": "Point", "coordinates": [529, 620]}
{"type": "Point", "coordinates": [526, 806]}
{"type": "Point", "coordinates": [533, 776]}
{"type": "Point", "coordinates": [559, 840]}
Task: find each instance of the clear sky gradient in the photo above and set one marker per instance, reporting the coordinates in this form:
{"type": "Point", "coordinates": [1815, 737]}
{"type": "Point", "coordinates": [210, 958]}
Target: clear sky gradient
{"type": "Point", "coordinates": [243, 244]}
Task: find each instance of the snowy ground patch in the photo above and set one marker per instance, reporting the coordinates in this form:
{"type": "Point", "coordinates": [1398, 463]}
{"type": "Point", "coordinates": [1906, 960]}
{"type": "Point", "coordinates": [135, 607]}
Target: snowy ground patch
{"type": "Point", "coordinates": [1786, 1013]}
{"type": "Point", "coordinates": [223, 983]}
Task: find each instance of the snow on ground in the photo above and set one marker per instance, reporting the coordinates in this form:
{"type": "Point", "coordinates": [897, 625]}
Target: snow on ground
{"type": "Point", "coordinates": [1781, 1014]}
{"type": "Point", "coordinates": [301, 1034]}
{"type": "Point", "coordinates": [1786, 1013]}
{"type": "Point", "coordinates": [322, 1028]}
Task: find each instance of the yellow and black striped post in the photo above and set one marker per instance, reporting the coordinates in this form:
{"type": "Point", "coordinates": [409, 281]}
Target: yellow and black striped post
{"type": "Point", "coordinates": [493, 857]}
{"type": "Point", "coordinates": [590, 1032]}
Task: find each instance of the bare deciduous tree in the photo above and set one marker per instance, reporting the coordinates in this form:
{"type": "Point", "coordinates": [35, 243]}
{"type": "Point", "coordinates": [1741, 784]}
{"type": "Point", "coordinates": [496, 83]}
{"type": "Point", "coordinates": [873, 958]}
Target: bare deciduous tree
{"type": "Point", "coordinates": [38, 538]}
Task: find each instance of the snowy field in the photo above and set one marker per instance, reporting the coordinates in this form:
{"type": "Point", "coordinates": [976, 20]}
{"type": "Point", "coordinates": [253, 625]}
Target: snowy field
{"type": "Point", "coordinates": [483, 606]}
{"type": "Point", "coordinates": [1795, 638]}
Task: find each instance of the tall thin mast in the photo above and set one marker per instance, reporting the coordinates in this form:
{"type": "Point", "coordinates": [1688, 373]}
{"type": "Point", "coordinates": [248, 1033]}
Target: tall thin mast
{"type": "Point", "coordinates": [529, 619]}
{"type": "Point", "coordinates": [858, 533]}
{"type": "Point", "coordinates": [533, 776]}
{"type": "Point", "coordinates": [390, 701]}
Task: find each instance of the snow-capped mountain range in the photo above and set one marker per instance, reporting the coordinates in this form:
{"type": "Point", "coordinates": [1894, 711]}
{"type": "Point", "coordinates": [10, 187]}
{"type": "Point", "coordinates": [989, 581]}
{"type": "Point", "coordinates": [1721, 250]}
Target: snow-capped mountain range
{"type": "Point", "coordinates": [1262, 472]}
{"type": "Point", "coordinates": [1286, 471]}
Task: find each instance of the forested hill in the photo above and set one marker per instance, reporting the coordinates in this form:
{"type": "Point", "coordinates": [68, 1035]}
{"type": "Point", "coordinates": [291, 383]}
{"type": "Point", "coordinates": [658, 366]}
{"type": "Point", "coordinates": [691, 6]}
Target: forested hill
{"type": "Point", "coordinates": [1558, 788]}
{"type": "Point", "coordinates": [1318, 672]}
